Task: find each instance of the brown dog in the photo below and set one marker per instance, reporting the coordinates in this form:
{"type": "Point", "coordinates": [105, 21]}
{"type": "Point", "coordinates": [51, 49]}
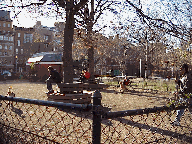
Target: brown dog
{"type": "Point", "coordinates": [11, 94]}
{"type": "Point", "coordinates": [123, 87]}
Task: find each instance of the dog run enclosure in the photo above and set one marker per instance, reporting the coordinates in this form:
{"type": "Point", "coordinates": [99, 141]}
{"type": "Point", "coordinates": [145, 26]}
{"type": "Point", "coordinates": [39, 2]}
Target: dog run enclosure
{"type": "Point", "coordinates": [36, 121]}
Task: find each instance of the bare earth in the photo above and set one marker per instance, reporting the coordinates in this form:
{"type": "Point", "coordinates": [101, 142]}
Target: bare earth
{"type": "Point", "coordinates": [152, 128]}
{"type": "Point", "coordinates": [135, 98]}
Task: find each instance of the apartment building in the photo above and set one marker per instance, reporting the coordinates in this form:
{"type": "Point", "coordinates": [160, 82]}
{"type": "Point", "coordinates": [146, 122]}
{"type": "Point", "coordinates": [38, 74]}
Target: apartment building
{"type": "Point", "coordinates": [6, 42]}
{"type": "Point", "coordinates": [43, 38]}
{"type": "Point", "coordinates": [29, 41]}
{"type": "Point", "coordinates": [23, 46]}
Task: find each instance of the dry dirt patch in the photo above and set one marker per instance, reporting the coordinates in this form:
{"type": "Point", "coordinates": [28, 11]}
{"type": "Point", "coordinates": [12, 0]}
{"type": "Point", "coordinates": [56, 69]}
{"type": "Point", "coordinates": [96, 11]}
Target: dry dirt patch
{"type": "Point", "coordinates": [133, 99]}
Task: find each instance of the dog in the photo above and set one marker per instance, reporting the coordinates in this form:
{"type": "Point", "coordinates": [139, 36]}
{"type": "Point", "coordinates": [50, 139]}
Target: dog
{"type": "Point", "coordinates": [11, 94]}
{"type": "Point", "coordinates": [123, 87]}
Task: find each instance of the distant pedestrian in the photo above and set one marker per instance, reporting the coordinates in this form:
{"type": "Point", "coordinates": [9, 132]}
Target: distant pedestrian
{"type": "Point", "coordinates": [184, 85]}
{"type": "Point", "coordinates": [54, 77]}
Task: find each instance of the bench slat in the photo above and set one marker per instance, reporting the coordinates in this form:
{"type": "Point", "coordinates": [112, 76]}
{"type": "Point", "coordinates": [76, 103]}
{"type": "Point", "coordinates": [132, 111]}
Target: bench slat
{"type": "Point", "coordinates": [70, 97]}
{"type": "Point", "coordinates": [82, 101]}
{"type": "Point", "coordinates": [71, 89]}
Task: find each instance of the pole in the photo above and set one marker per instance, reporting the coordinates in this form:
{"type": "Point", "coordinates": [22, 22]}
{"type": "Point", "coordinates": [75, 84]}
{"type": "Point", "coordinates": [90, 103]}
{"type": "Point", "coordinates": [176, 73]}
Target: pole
{"type": "Point", "coordinates": [16, 64]}
{"type": "Point", "coordinates": [140, 68]}
{"type": "Point", "coordinates": [146, 56]}
{"type": "Point", "coordinates": [96, 134]}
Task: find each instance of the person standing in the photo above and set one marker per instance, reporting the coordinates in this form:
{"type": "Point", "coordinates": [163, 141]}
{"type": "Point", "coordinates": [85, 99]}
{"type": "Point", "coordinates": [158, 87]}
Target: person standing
{"type": "Point", "coordinates": [54, 77]}
{"type": "Point", "coordinates": [184, 85]}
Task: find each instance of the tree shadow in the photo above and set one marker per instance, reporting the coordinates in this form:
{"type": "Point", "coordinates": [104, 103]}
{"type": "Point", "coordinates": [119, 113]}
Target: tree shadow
{"type": "Point", "coordinates": [156, 129]}
{"type": "Point", "coordinates": [134, 91]}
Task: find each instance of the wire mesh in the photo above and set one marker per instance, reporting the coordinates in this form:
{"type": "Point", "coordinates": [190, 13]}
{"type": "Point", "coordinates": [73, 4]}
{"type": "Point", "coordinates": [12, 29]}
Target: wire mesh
{"type": "Point", "coordinates": [31, 123]}
{"type": "Point", "coordinates": [22, 122]}
{"type": "Point", "coordinates": [148, 128]}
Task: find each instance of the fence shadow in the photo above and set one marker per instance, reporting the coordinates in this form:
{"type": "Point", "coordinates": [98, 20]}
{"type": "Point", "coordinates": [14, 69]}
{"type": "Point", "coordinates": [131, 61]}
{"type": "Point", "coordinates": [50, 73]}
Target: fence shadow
{"type": "Point", "coordinates": [87, 114]}
{"type": "Point", "coordinates": [156, 129]}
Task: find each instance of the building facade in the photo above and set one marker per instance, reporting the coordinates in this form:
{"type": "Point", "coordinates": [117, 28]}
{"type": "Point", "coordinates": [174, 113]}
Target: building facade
{"type": "Point", "coordinates": [6, 42]}
{"type": "Point", "coordinates": [23, 47]}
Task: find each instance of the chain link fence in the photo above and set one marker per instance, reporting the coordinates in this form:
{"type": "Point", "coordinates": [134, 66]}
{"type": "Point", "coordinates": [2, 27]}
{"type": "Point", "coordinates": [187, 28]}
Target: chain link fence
{"type": "Point", "coordinates": [147, 126]}
{"type": "Point", "coordinates": [35, 121]}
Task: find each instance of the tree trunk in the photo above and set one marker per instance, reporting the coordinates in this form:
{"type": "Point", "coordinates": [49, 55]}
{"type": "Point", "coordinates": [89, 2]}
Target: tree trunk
{"type": "Point", "coordinates": [91, 61]}
{"type": "Point", "coordinates": [68, 40]}
{"type": "Point", "coordinates": [91, 50]}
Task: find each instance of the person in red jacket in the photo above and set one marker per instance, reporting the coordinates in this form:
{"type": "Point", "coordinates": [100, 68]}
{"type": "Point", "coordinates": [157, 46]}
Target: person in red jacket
{"type": "Point", "coordinates": [85, 75]}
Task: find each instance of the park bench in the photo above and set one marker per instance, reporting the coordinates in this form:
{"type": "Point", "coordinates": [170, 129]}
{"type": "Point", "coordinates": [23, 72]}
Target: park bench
{"type": "Point", "coordinates": [73, 92]}
{"type": "Point", "coordinates": [70, 93]}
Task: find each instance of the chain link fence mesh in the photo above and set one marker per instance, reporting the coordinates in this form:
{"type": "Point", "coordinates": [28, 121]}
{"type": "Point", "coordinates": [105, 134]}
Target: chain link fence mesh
{"type": "Point", "coordinates": [30, 123]}
{"type": "Point", "coordinates": [148, 128]}
{"type": "Point", "coordinates": [35, 123]}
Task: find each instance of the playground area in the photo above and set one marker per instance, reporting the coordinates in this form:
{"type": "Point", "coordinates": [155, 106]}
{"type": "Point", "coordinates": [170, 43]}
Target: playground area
{"type": "Point", "coordinates": [141, 94]}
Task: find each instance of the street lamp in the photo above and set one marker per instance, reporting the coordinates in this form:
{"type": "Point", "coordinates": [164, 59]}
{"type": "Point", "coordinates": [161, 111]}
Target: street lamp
{"type": "Point", "coordinates": [16, 63]}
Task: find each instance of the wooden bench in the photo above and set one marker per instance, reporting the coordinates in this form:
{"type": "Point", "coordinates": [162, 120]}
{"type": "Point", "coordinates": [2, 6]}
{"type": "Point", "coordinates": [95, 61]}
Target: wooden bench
{"type": "Point", "coordinates": [70, 93]}
{"type": "Point", "coordinates": [70, 88]}
{"type": "Point", "coordinates": [84, 98]}
{"type": "Point", "coordinates": [88, 86]}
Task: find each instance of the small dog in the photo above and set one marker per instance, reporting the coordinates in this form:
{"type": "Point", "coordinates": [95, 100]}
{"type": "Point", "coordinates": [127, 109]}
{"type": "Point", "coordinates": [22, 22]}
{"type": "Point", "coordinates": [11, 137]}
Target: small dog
{"type": "Point", "coordinates": [11, 94]}
{"type": "Point", "coordinates": [123, 87]}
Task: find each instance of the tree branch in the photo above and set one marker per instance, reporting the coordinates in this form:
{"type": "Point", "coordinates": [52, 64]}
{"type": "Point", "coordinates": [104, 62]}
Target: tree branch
{"type": "Point", "coordinates": [79, 5]}
{"type": "Point", "coordinates": [172, 28]}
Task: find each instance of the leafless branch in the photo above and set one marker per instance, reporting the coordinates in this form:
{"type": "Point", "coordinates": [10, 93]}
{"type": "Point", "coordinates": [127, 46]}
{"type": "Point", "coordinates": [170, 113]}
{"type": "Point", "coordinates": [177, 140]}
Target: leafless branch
{"type": "Point", "coordinates": [172, 28]}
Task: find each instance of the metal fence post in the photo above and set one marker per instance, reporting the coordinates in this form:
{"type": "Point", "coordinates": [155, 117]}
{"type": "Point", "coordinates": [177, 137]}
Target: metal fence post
{"type": "Point", "coordinates": [96, 133]}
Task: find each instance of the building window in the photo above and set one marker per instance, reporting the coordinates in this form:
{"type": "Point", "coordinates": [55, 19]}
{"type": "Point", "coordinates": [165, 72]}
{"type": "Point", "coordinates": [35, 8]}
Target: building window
{"type": "Point", "coordinates": [10, 38]}
{"type": "Point", "coordinates": [5, 47]}
{"type": "Point", "coordinates": [1, 37]}
{"type": "Point", "coordinates": [4, 24]}
{"type": "Point", "coordinates": [0, 46]}
{"type": "Point", "coordinates": [16, 51]}
{"type": "Point", "coordinates": [28, 38]}
{"type": "Point", "coordinates": [21, 51]}
{"type": "Point", "coordinates": [18, 42]}
{"type": "Point", "coordinates": [5, 53]}
{"type": "Point", "coordinates": [0, 24]}
{"type": "Point", "coordinates": [46, 37]}
{"type": "Point", "coordinates": [0, 53]}
{"type": "Point", "coordinates": [10, 47]}
{"type": "Point", "coordinates": [19, 34]}
{"type": "Point", "coordinates": [6, 38]}
{"type": "Point", "coordinates": [8, 25]}
{"type": "Point", "coordinates": [46, 46]}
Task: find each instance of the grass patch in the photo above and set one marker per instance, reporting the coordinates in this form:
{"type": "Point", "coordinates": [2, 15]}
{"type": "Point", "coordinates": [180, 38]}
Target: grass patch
{"type": "Point", "coordinates": [160, 85]}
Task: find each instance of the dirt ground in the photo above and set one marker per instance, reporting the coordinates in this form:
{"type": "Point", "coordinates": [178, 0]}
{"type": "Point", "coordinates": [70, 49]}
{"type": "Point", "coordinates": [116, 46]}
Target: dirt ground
{"type": "Point", "coordinates": [134, 129]}
{"type": "Point", "coordinates": [135, 98]}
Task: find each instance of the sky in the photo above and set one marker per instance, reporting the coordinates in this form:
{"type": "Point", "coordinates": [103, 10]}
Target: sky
{"type": "Point", "coordinates": [27, 17]}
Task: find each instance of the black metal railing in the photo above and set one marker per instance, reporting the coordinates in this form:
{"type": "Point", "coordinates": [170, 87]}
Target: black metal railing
{"type": "Point", "coordinates": [36, 121]}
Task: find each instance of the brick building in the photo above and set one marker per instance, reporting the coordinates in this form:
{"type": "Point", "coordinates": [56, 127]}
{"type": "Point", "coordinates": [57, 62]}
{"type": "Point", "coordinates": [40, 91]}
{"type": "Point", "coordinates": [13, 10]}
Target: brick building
{"type": "Point", "coordinates": [6, 42]}
{"type": "Point", "coordinates": [29, 41]}
{"type": "Point", "coordinates": [23, 46]}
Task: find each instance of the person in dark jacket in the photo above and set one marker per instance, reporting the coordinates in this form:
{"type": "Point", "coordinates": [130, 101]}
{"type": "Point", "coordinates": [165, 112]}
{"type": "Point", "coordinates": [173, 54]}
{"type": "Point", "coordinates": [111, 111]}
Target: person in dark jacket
{"type": "Point", "coordinates": [185, 91]}
{"type": "Point", "coordinates": [54, 77]}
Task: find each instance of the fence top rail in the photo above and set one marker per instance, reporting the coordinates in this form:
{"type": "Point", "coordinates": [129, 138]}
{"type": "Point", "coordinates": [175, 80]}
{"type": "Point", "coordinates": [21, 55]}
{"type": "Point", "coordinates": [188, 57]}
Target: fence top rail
{"type": "Point", "coordinates": [109, 115]}
{"type": "Point", "coordinates": [47, 103]}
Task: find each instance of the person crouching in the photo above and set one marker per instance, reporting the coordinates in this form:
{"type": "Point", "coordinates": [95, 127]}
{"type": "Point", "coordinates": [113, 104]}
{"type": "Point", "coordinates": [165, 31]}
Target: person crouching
{"type": "Point", "coordinates": [54, 77]}
{"type": "Point", "coordinates": [84, 75]}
